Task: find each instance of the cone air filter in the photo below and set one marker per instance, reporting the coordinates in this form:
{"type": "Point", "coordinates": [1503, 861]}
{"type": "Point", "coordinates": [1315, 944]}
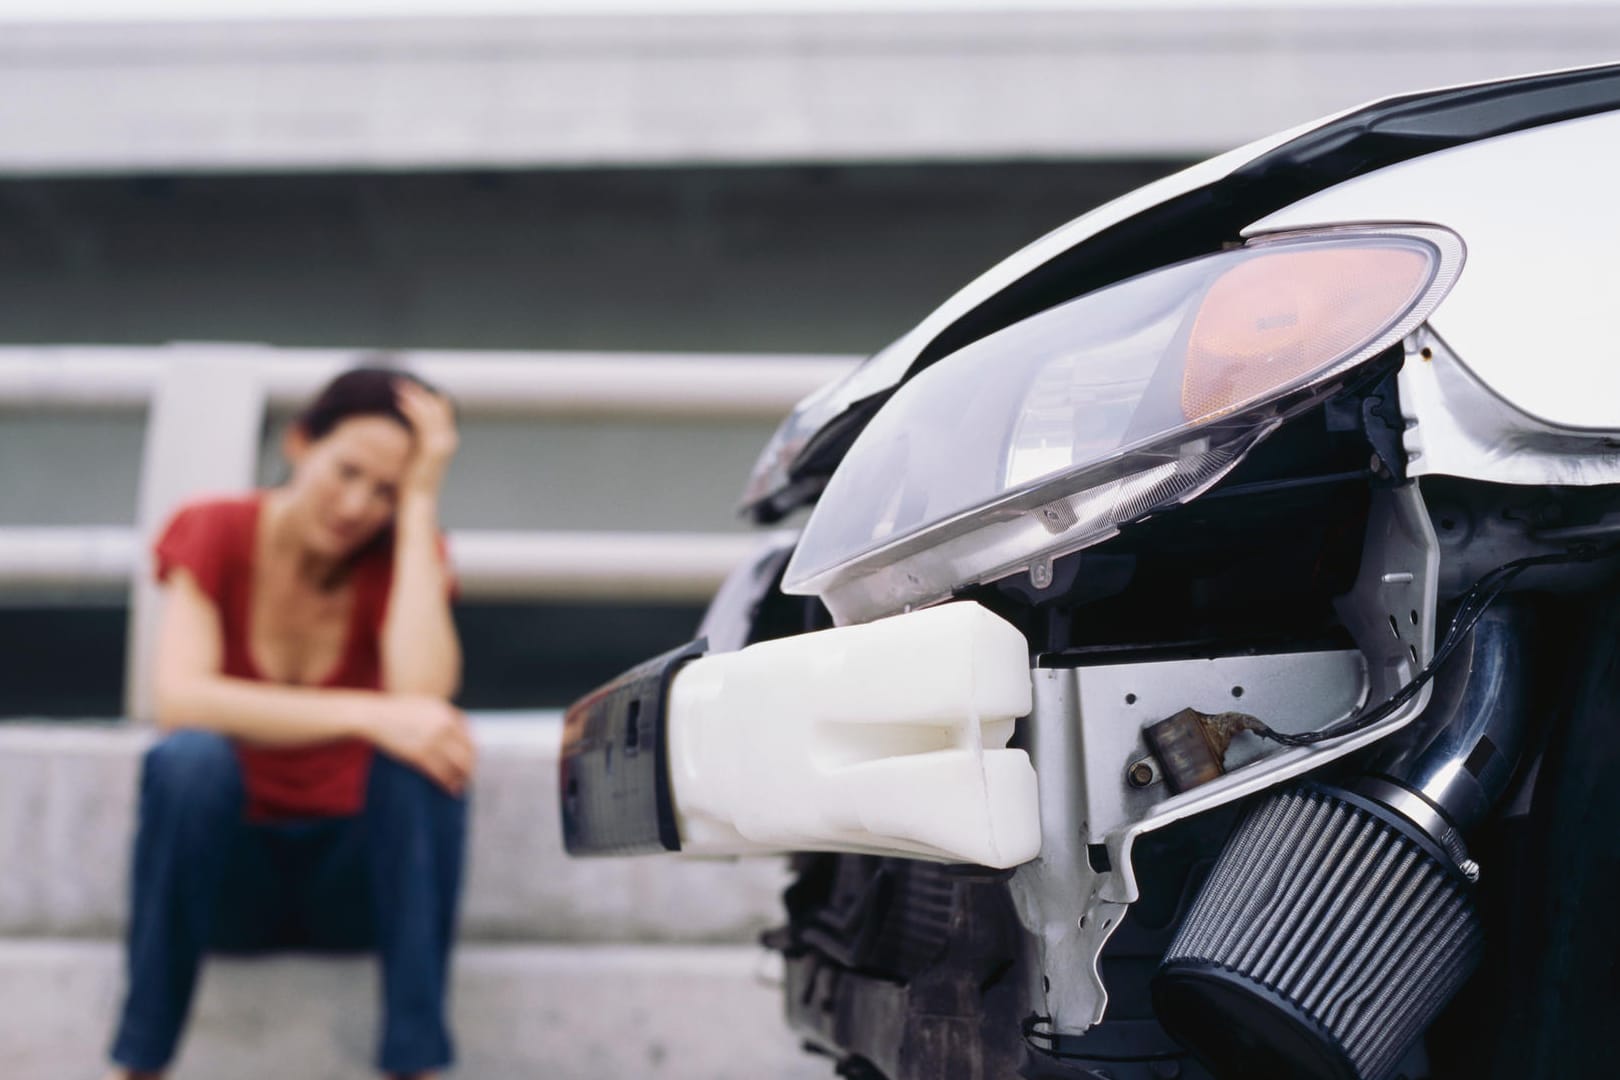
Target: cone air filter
{"type": "Point", "coordinates": [1328, 937]}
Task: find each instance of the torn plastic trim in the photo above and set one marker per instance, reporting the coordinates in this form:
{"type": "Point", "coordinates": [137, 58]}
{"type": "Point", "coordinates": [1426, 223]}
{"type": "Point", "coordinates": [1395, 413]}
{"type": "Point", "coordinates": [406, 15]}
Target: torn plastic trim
{"type": "Point", "coordinates": [732, 617]}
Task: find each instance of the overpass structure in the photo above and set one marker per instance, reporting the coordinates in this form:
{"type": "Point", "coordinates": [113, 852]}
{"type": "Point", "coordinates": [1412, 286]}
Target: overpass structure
{"type": "Point", "coordinates": [674, 84]}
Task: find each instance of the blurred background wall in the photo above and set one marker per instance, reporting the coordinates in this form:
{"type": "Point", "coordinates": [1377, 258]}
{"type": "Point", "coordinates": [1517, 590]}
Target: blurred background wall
{"type": "Point", "coordinates": [659, 177]}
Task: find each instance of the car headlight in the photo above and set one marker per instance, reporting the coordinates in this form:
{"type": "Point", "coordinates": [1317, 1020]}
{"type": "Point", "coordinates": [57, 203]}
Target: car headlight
{"type": "Point", "coordinates": [1049, 435]}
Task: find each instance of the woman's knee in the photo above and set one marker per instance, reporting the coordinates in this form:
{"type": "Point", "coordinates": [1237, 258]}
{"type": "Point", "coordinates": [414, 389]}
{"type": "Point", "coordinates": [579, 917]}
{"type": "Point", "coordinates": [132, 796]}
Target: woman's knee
{"type": "Point", "coordinates": [394, 789]}
{"type": "Point", "coordinates": [196, 770]}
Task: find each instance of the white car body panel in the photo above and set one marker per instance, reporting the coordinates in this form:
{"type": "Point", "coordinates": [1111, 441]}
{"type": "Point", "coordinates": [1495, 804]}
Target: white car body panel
{"type": "Point", "coordinates": [1530, 317]}
{"type": "Point", "coordinates": [1456, 426]}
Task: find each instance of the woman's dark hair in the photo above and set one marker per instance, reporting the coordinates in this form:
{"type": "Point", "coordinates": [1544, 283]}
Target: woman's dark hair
{"type": "Point", "coordinates": [361, 391]}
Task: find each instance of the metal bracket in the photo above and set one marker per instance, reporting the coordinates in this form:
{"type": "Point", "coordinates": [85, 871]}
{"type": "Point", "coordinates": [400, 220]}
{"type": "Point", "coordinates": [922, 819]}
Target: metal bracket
{"type": "Point", "coordinates": [1085, 730]}
{"type": "Point", "coordinates": [1059, 895]}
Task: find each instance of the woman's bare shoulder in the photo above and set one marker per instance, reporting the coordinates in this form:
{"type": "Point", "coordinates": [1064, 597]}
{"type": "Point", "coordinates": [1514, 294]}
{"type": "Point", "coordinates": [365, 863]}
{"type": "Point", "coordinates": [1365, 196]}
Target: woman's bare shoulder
{"type": "Point", "coordinates": [234, 503]}
{"type": "Point", "coordinates": [232, 511]}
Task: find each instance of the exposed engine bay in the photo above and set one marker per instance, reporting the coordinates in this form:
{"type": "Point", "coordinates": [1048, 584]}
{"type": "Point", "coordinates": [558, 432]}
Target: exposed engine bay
{"type": "Point", "coordinates": [1315, 927]}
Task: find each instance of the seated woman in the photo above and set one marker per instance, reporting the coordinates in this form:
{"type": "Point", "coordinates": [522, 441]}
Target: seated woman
{"type": "Point", "coordinates": [307, 628]}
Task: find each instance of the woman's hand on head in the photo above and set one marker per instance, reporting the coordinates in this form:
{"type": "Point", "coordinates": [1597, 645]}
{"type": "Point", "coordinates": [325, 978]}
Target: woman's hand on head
{"type": "Point", "coordinates": [433, 423]}
{"type": "Point", "coordinates": [430, 735]}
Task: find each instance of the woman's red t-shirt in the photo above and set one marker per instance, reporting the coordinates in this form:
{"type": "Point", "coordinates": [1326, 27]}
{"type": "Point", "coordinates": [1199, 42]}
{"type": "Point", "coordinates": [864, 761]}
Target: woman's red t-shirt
{"type": "Point", "coordinates": [216, 540]}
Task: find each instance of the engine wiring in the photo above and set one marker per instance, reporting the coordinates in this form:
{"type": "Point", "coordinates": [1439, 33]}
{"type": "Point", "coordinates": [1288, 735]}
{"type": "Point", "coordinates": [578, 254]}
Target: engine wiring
{"type": "Point", "coordinates": [1479, 597]}
{"type": "Point", "coordinates": [1039, 1037]}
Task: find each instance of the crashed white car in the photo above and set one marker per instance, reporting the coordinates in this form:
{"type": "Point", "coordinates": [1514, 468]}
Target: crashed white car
{"type": "Point", "coordinates": [1202, 657]}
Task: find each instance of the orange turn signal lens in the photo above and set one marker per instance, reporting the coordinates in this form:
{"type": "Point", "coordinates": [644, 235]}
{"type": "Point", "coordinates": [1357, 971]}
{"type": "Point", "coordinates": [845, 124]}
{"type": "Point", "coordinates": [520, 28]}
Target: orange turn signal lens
{"type": "Point", "coordinates": [1286, 314]}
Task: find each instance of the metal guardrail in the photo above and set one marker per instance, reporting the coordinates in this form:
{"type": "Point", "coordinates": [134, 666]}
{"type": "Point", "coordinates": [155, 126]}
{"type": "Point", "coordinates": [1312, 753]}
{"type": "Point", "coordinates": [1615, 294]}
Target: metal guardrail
{"type": "Point", "coordinates": [514, 565]}
{"type": "Point", "coordinates": [489, 564]}
{"type": "Point", "coordinates": [216, 397]}
{"type": "Point", "coordinates": [488, 383]}
{"type": "Point", "coordinates": [88, 557]}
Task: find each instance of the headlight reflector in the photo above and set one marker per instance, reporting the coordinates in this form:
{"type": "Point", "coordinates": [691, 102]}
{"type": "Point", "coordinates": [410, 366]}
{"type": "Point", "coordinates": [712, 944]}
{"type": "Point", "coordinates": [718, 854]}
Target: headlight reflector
{"type": "Point", "coordinates": [1274, 319]}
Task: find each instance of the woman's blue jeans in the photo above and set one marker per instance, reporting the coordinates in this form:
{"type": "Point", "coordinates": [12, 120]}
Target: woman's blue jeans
{"type": "Point", "coordinates": [205, 879]}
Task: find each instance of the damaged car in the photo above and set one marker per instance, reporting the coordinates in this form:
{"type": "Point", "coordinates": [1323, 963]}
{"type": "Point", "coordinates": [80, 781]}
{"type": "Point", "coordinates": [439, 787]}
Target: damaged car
{"type": "Point", "coordinates": [1201, 652]}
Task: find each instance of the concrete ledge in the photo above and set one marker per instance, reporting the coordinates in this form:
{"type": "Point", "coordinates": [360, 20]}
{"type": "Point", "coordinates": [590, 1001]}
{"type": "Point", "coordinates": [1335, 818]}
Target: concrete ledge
{"type": "Point", "coordinates": [553, 91]}
{"type": "Point", "coordinates": [67, 804]}
{"type": "Point", "coordinates": [563, 1013]}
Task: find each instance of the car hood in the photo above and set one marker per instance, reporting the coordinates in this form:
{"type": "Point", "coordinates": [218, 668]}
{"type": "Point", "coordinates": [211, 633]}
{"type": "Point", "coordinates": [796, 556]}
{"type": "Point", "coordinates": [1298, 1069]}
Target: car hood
{"type": "Point", "coordinates": [1189, 213]}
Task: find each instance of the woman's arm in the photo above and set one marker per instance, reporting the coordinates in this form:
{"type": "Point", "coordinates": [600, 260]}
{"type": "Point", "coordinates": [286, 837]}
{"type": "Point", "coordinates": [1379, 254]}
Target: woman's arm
{"type": "Point", "coordinates": [420, 651]}
{"type": "Point", "coordinates": [190, 692]}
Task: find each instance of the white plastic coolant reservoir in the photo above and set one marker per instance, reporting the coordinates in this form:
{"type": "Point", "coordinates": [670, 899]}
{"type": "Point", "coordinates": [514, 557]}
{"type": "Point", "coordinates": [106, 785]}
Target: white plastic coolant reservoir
{"type": "Point", "coordinates": [887, 738]}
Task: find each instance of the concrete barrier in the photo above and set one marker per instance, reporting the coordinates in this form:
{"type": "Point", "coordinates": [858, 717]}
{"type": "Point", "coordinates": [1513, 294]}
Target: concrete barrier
{"type": "Point", "coordinates": [520, 1013]}
{"type": "Point", "coordinates": [674, 993]}
{"type": "Point", "coordinates": [67, 811]}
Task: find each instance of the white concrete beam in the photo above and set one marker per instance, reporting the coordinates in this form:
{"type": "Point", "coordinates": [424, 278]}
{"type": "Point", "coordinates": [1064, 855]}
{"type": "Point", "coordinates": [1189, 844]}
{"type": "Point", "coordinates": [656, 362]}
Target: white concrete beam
{"type": "Point", "coordinates": [518, 1012]}
{"type": "Point", "coordinates": [202, 435]}
{"type": "Point", "coordinates": [67, 818]}
{"type": "Point", "coordinates": [577, 90]}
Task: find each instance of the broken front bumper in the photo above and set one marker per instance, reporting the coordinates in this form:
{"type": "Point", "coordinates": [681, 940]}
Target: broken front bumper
{"type": "Point", "coordinates": [884, 738]}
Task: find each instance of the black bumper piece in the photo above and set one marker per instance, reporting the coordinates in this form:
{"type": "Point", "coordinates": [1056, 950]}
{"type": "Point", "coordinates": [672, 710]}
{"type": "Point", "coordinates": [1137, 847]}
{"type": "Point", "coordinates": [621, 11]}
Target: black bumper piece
{"type": "Point", "coordinates": [614, 768]}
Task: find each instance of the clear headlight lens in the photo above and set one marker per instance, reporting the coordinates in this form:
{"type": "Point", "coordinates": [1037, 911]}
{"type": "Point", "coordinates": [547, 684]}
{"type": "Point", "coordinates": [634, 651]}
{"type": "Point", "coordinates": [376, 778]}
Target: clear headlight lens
{"type": "Point", "coordinates": [1049, 435]}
